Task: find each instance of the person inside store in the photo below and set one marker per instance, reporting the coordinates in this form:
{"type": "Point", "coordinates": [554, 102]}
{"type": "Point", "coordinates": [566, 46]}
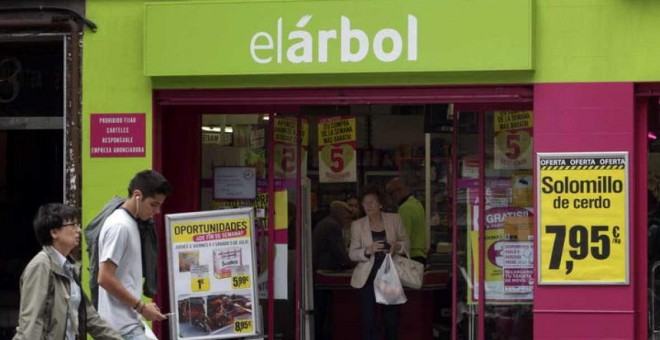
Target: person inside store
{"type": "Point", "coordinates": [372, 236]}
{"type": "Point", "coordinates": [120, 257]}
{"type": "Point", "coordinates": [329, 253]}
{"type": "Point", "coordinates": [52, 303]}
{"type": "Point", "coordinates": [354, 205]}
{"type": "Point", "coordinates": [327, 244]}
{"type": "Point", "coordinates": [412, 214]}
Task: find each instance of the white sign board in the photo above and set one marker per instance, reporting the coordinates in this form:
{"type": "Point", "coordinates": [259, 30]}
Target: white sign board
{"type": "Point", "coordinates": [234, 183]}
{"type": "Point", "coordinates": [212, 274]}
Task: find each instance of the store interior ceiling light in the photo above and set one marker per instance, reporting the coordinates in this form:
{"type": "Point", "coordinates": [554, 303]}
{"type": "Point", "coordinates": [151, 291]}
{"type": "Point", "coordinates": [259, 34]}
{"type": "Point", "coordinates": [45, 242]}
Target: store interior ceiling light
{"type": "Point", "coordinates": [212, 129]}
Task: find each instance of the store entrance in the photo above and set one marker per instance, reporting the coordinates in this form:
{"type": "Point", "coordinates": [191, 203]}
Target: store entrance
{"type": "Point", "coordinates": [452, 159]}
{"type": "Point", "coordinates": [403, 153]}
{"type": "Point", "coordinates": [448, 158]}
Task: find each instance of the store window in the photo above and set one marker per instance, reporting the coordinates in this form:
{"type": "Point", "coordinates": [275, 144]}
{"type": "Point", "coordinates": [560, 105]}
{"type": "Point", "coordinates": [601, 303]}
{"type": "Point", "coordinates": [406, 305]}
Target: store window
{"type": "Point", "coordinates": [653, 223]}
{"type": "Point", "coordinates": [244, 142]}
{"type": "Point", "coordinates": [494, 220]}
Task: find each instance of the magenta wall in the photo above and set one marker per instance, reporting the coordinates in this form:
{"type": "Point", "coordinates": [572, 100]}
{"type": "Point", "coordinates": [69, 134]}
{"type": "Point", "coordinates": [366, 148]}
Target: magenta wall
{"type": "Point", "coordinates": [578, 118]}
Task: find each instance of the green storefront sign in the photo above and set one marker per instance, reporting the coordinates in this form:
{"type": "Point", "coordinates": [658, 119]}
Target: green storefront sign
{"type": "Point", "coordinates": [239, 38]}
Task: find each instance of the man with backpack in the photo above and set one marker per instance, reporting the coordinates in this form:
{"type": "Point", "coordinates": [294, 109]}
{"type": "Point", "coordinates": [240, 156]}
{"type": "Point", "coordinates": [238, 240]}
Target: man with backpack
{"type": "Point", "coordinates": [120, 247]}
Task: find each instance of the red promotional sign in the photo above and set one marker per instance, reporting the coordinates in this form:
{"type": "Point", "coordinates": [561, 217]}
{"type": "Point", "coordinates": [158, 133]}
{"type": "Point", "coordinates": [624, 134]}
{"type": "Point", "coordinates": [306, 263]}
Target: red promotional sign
{"type": "Point", "coordinates": [117, 135]}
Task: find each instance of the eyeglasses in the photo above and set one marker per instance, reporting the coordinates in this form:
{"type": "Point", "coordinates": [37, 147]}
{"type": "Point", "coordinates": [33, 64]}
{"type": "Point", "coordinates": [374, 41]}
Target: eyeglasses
{"type": "Point", "coordinates": [72, 224]}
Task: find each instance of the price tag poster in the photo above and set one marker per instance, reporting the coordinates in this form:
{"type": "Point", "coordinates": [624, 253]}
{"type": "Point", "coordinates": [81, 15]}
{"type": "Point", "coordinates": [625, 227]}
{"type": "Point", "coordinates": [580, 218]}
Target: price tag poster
{"type": "Point", "coordinates": [583, 218]}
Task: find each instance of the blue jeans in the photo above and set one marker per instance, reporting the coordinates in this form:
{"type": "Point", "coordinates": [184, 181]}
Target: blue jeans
{"type": "Point", "coordinates": [136, 333]}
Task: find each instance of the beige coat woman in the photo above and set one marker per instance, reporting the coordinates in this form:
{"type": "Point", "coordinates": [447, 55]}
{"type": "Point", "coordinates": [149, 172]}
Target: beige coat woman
{"type": "Point", "coordinates": [361, 240]}
{"type": "Point", "coordinates": [44, 295]}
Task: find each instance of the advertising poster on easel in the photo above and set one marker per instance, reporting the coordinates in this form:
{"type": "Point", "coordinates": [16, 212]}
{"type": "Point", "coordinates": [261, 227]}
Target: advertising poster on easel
{"type": "Point", "coordinates": [212, 274]}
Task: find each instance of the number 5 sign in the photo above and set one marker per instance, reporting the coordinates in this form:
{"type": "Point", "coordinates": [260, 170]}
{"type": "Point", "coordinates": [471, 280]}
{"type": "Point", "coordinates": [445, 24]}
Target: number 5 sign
{"type": "Point", "coordinates": [337, 161]}
{"type": "Point", "coordinates": [583, 218]}
{"type": "Point", "coordinates": [513, 139]}
{"type": "Point", "coordinates": [285, 148]}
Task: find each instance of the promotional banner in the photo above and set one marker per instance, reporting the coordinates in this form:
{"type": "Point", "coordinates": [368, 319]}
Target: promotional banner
{"type": "Point", "coordinates": [513, 139]}
{"type": "Point", "coordinates": [508, 244]}
{"type": "Point", "coordinates": [583, 218]}
{"type": "Point", "coordinates": [285, 137]}
{"type": "Point", "coordinates": [212, 273]}
{"type": "Point", "coordinates": [337, 155]}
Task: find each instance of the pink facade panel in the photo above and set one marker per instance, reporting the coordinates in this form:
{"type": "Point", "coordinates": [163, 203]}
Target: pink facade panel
{"type": "Point", "coordinates": [583, 326]}
{"type": "Point", "coordinates": [584, 117]}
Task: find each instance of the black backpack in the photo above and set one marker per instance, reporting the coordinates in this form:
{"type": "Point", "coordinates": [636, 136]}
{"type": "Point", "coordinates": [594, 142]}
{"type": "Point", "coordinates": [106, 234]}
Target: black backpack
{"type": "Point", "coordinates": [92, 232]}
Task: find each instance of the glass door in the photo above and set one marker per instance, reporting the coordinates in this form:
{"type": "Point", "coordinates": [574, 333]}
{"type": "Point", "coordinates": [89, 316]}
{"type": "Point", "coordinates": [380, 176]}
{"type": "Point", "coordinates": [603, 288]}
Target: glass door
{"type": "Point", "coordinates": [493, 219]}
{"type": "Point", "coordinates": [287, 143]}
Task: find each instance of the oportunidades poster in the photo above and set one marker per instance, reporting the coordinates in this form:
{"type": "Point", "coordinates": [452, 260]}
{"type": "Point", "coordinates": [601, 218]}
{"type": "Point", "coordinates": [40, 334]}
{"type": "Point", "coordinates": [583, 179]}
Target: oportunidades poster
{"type": "Point", "coordinates": [212, 274]}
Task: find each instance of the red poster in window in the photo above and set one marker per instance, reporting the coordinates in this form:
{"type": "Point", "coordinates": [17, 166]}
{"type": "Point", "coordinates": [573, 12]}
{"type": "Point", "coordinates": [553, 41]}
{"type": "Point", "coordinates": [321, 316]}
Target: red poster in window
{"type": "Point", "coordinates": [117, 135]}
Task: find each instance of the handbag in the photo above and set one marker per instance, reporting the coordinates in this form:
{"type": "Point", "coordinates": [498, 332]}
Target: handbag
{"type": "Point", "coordinates": [410, 271]}
{"type": "Point", "coordinates": [387, 285]}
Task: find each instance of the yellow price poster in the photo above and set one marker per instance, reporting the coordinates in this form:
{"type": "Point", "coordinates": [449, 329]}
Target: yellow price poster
{"type": "Point", "coordinates": [583, 218]}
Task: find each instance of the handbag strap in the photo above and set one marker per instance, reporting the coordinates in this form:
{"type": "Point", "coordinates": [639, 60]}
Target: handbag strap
{"type": "Point", "coordinates": [405, 252]}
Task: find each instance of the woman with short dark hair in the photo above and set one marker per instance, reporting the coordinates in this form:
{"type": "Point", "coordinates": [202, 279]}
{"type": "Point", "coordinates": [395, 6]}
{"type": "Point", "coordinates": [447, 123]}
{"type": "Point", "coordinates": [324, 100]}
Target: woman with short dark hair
{"type": "Point", "coordinates": [53, 306]}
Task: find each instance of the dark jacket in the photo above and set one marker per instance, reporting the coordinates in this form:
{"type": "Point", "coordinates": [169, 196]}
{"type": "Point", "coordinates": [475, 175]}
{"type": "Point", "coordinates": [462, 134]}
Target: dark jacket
{"type": "Point", "coordinates": [328, 251]}
{"type": "Point", "coordinates": [147, 240]}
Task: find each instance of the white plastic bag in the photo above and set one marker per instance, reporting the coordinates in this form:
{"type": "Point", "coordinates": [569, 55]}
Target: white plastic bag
{"type": "Point", "coordinates": [387, 285]}
{"type": "Point", "coordinates": [148, 333]}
